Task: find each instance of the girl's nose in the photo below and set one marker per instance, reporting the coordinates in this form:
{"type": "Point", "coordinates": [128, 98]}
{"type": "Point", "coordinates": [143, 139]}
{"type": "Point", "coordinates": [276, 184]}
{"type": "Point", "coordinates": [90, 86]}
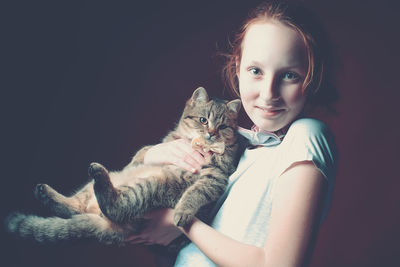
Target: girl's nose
{"type": "Point", "coordinates": [269, 89]}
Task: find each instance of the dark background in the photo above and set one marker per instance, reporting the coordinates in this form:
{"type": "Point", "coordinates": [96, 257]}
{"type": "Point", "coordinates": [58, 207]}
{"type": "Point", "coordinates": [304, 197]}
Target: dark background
{"type": "Point", "coordinates": [94, 81]}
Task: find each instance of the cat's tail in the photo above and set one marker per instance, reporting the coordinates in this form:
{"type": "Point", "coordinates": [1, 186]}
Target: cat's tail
{"type": "Point", "coordinates": [54, 229]}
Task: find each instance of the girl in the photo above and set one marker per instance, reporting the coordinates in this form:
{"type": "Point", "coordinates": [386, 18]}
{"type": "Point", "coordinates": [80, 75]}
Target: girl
{"type": "Point", "coordinates": [275, 201]}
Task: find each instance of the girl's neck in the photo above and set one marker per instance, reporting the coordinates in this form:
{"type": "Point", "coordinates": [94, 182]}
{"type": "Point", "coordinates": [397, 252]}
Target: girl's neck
{"type": "Point", "coordinates": [279, 133]}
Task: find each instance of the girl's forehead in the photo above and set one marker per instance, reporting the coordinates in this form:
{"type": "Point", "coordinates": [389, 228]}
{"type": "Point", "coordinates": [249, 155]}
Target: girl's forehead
{"type": "Point", "coordinates": [273, 40]}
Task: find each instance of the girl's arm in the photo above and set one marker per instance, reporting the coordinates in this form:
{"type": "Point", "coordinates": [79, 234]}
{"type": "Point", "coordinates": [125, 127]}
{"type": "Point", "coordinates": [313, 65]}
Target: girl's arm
{"type": "Point", "coordinates": [294, 221]}
{"type": "Point", "coordinates": [293, 225]}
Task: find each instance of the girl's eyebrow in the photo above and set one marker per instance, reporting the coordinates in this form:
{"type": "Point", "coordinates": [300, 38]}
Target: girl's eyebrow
{"type": "Point", "coordinates": [255, 63]}
{"type": "Point", "coordinates": [294, 65]}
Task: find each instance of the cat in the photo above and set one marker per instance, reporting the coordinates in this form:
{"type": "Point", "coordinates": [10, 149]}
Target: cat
{"type": "Point", "coordinates": [110, 207]}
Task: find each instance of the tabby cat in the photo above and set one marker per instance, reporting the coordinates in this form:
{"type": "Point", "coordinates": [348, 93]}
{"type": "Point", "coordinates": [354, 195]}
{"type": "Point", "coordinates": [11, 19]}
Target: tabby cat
{"type": "Point", "coordinates": [109, 208]}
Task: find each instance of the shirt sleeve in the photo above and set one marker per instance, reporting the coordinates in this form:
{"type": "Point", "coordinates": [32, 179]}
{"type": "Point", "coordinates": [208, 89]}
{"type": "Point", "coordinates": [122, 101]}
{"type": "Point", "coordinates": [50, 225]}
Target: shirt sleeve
{"type": "Point", "coordinates": [311, 140]}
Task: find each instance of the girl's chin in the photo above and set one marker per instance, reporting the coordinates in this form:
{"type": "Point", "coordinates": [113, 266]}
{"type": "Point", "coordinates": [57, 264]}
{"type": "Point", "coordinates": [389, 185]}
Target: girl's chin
{"type": "Point", "coordinates": [272, 121]}
{"type": "Point", "coordinates": [271, 124]}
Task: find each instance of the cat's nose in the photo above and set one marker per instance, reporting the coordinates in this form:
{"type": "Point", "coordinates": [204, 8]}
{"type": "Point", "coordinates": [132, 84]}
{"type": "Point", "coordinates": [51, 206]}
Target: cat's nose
{"type": "Point", "coordinates": [210, 133]}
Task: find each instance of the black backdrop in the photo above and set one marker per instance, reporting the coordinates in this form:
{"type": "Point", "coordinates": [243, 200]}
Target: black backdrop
{"type": "Point", "coordinates": [89, 81]}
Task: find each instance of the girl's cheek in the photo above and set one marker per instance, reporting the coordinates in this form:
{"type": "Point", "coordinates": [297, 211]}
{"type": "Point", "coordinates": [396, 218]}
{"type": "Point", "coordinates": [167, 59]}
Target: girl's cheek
{"type": "Point", "coordinates": [297, 101]}
{"type": "Point", "coordinates": [293, 95]}
{"type": "Point", "coordinates": [247, 95]}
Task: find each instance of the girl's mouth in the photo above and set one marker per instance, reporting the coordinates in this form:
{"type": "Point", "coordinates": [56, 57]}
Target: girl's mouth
{"type": "Point", "coordinates": [269, 111]}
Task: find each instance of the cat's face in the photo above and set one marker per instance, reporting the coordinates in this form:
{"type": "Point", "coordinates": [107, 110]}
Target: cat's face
{"type": "Point", "coordinates": [213, 120]}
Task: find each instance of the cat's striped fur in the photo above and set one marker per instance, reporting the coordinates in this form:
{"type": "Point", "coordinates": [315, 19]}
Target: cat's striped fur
{"type": "Point", "coordinates": [109, 208]}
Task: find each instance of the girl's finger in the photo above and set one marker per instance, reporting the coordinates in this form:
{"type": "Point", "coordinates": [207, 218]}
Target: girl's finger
{"type": "Point", "coordinates": [135, 241]}
{"type": "Point", "coordinates": [133, 238]}
{"type": "Point", "coordinates": [199, 157]}
{"type": "Point", "coordinates": [191, 161]}
{"type": "Point", "coordinates": [184, 165]}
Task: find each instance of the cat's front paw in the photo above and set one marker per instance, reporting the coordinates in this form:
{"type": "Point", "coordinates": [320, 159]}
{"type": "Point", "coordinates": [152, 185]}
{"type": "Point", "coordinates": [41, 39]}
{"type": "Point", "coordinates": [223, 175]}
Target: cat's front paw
{"type": "Point", "coordinates": [182, 218]}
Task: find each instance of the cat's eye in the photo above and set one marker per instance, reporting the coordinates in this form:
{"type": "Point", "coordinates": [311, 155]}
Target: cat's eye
{"type": "Point", "coordinates": [222, 126]}
{"type": "Point", "coordinates": [203, 120]}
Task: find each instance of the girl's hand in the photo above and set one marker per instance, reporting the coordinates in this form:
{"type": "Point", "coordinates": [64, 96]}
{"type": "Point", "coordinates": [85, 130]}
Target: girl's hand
{"type": "Point", "coordinates": [178, 152]}
{"type": "Point", "coordinates": [160, 229]}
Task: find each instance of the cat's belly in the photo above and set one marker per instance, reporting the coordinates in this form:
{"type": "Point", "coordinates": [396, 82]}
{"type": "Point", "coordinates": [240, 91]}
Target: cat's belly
{"type": "Point", "coordinates": [93, 206]}
{"type": "Point", "coordinates": [130, 175]}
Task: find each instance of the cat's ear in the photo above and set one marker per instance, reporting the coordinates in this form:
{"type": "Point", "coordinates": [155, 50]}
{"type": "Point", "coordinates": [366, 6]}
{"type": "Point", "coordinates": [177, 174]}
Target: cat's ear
{"type": "Point", "coordinates": [234, 105]}
{"type": "Point", "coordinates": [200, 96]}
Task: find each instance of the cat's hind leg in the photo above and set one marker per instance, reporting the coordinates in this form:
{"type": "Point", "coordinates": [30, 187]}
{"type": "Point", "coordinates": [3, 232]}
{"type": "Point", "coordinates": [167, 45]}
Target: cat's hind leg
{"type": "Point", "coordinates": [124, 203]}
{"type": "Point", "coordinates": [61, 205]}
{"type": "Point", "coordinates": [106, 194]}
{"type": "Point", "coordinates": [110, 199]}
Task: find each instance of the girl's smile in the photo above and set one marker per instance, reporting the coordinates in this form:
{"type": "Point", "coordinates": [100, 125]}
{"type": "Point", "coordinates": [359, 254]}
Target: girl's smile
{"type": "Point", "coordinates": [270, 111]}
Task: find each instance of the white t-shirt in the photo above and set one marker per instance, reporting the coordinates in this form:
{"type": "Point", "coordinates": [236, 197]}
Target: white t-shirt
{"type": "Point", "coordinates": [243, 212]}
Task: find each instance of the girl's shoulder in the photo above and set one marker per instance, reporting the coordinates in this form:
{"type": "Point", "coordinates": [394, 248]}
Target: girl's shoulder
{"type": "Point", "coordinates": [311, 138]}
{"type": "Point", "coordinates": [308, 127]}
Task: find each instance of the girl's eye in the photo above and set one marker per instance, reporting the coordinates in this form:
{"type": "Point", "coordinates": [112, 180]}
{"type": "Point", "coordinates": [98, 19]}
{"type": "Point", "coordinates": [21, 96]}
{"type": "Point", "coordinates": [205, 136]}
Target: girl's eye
{"type": "Point", "coordinates": [203, 120]}
{"type": "Point", "coordinates": [255, 71]}
{"type": "Point", "coordinates": [222, 126]}
{"type": "Point", "coordinates": [290, 76]}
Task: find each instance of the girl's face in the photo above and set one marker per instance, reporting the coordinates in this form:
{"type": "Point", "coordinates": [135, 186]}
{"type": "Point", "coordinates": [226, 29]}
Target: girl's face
{"type": "Point", "coordinates": [271, 74]}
